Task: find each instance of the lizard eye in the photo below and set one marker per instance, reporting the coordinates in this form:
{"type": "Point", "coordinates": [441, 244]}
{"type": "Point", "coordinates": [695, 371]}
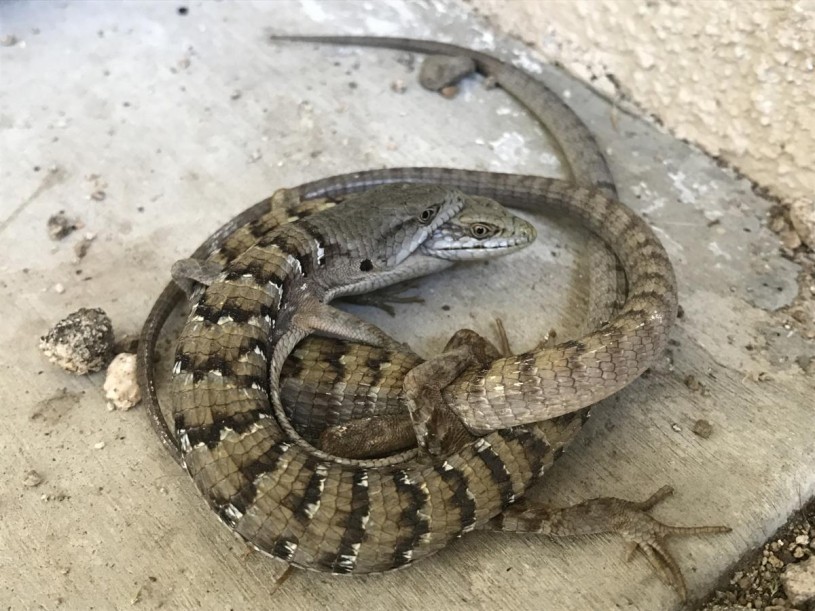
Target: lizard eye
{"type": "Point", "coordinates": [480, 231]}
{"type": "Point", "coordinates": [428, 214]}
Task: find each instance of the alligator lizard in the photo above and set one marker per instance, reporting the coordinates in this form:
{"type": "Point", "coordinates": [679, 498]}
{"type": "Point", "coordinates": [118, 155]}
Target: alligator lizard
{"type": "Point", "coordinates": [444, 65]}
{"type": "Point", "coordinates": [469, 511]}
{"type": "Point", "coordinates": [374, 516]}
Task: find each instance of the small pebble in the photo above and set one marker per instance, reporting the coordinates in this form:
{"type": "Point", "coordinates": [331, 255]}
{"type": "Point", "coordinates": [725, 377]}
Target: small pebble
{"type": "Point", "coordinates": [81, 248]}
{"type": "Point", "coordinates": [440, 72]}
{"type": "Point", "coordinates": [692, 383]}
{"type": "Point", "coordinates": [802, 216]}
{"type": "Point", "coordinates": [32, 479]}
{"type": "Point", "coordinates": [703, 428]}
{"type": "Point", "coordinates": [121, 384]}
{"type": "Point", "coordinates": [99, 445]}
{"type": "Point", "coordinates": [806, 363]}
{"type": "Point", "coordinates": [59, 226]}
{"type": "Point", "coordinates": [790, 239]}
{"type": "Point", "coordinates": [775, 561]}
{"type": "Point", "coordinates": [449, 92]}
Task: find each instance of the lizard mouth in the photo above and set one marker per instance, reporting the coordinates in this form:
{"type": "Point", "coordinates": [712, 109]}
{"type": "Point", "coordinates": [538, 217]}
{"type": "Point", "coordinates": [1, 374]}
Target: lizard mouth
{"type": "Point", "coordinates": [443, 245]}
{"type": "Point", "coordinates": [476, 251]}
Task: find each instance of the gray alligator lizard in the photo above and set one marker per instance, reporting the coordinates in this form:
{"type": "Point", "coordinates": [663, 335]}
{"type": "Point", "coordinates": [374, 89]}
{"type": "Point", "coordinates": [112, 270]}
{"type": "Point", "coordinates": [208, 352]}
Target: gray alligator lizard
{"type": "Point", "coordinates": [443, 66]}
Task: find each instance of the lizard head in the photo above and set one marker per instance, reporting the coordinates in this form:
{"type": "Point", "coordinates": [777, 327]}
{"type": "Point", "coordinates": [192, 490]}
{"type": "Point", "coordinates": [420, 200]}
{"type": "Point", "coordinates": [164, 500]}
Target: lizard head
{"type": "Point", "coordinates": [484, 229]}
{"type": "Point", "coordinates": [398, 232]}
{"type": "Point", "coordinates": [367, 239]}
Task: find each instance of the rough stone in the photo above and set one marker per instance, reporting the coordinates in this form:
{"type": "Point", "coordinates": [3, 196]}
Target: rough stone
{"type": "Point", "coordinates": [80, 343]}
{"type": "Point", "coordinates": [799, 582]}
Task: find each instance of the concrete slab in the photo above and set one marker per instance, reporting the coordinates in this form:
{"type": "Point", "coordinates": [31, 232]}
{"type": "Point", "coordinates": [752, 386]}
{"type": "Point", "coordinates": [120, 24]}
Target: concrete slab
{"type": "Point", "coordinates": [183, 120]}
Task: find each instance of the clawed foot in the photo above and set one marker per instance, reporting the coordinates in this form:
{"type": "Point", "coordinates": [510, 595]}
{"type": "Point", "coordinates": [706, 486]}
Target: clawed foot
{"type": "Point", "coordinates": [383, 298]}
{"type": "Point", "coordinates": [644, 533]}
{"type": "Point", "coordinates": [604, 515]}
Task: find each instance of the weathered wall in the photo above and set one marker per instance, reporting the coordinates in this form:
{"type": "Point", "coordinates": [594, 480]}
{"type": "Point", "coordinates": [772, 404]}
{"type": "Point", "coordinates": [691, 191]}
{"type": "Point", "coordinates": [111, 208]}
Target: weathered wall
{"type": "Point", "coordinates": [738, 80]}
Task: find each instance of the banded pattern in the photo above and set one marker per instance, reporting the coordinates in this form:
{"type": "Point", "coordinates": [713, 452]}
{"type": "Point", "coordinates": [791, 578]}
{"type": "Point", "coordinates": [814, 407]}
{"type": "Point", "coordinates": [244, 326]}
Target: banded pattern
{"type": "Point", "coordinates": [547, 383]}
{"type": "Point", "coordinates": [355, 519]}
{"type": "Point", "coordinates": [260, 478]}
{"type": "Point", "coordinates": [292, 503]}
{"type": "Point", "coordinates": [328, 383]}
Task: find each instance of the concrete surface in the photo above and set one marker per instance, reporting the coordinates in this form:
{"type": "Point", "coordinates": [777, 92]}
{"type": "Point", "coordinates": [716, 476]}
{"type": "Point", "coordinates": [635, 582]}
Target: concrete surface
{"type": "Point", "coordinates": [184, 120]}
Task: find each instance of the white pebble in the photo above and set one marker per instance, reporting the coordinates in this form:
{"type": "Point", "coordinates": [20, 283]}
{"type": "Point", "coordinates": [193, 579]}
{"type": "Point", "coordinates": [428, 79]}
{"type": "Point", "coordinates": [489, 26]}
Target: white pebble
{"type": "Point", "coordinates": [121, 385]}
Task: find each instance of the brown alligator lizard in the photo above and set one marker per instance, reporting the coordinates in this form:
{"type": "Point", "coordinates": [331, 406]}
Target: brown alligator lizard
{"type": "Point", "coordinates": [343, 515]}
{"type": "Point", "coordinates": [557, 431]}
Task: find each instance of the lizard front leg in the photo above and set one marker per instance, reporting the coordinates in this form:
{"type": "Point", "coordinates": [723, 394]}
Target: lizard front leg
{"type": "Point", "coordinates": [321, 318]}
{"type": "Point", "coordinates": [383, 298]}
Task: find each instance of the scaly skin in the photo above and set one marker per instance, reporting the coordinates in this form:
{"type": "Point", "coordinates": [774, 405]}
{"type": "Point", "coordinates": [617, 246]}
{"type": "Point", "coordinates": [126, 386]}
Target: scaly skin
{"type": "Point", "coordinates": [312, 373]}
{"type": "Point", "coordinates": [374, 517]}
{"type": "Point", "coordinates": [607, 285]}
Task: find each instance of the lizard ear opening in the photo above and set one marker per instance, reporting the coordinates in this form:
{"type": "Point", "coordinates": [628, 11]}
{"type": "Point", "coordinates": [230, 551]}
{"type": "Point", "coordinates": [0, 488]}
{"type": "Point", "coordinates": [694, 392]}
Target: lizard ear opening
{"type": "Point", "coordinates": [366, 265]}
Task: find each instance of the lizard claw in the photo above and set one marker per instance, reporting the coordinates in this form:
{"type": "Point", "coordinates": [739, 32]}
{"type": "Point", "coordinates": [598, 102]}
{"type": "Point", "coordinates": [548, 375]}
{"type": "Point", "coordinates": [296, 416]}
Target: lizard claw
{"type": "Point", "coordinates": [383, 298]}
{"type": "Point", "coordinates": [644, 533]}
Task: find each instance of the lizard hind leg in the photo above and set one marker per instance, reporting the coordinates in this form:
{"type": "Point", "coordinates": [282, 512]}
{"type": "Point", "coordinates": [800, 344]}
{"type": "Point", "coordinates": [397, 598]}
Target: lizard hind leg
{"type": "Point", "coordinates": [629, 519]}
{"type": "Point", "coordinates": [438, 429]}
{"type": "Point", "coordinates": [380, 435]}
